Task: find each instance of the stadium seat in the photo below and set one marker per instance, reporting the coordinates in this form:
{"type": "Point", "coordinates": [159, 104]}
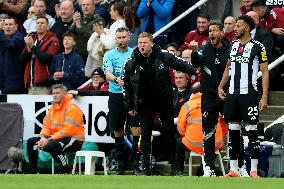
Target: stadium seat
{"type": "Point", "coordinates": [193, 154]}
{"type": "Point", "coordinates": [89, 161]}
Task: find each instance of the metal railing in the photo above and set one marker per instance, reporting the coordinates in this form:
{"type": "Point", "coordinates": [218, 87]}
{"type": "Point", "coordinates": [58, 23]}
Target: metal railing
{"type": "Point", "coordinates": [198, 4]}
{"type": "Point", "coordinates": [273, 65]}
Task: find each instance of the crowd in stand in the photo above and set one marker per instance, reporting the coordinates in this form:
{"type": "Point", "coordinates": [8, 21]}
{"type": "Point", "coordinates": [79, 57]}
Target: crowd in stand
{"type": "Point", "coordinates": [47, 42]}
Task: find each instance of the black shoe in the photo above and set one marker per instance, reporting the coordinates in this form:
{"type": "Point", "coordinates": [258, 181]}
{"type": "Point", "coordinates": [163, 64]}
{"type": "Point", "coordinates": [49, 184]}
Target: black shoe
{"type": "Point", "coordinates": [120, 172]}
{"type": "Point", "coordinates": [145, 172]}
{"type": "Point", "coordinates": [176, 173]}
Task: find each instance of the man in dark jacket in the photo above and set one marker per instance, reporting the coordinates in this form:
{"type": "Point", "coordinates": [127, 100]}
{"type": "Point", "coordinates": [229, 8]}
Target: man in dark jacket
{"type": "Point", "coordinates": [148, 90]}
{"type": "Point", "coordinates": [82, 26]}
{"type": "Point", "coordinates": [11, 69]}
{"type": "Point", "coordinates": [212, 58]}
{"type": "Point", "coordinates": [67, 68]}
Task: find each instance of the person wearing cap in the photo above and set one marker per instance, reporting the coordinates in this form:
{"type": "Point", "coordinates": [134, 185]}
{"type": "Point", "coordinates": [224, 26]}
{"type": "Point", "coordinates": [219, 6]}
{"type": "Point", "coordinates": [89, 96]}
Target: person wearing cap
{"type": "Point", "coordinates": [99, 85]}
{"type": "Point", "coordinates": [68, 67]}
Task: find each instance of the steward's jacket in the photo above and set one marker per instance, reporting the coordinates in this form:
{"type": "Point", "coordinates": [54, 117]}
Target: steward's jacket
{"type": "Point", "coordinates": [213, 62]}
{"type": "Point", "coordinates": [163, 61]}
{"type": "Point", "coordinates": [189, 126]}
{"type": "Point", "coordinates": [64, 120]}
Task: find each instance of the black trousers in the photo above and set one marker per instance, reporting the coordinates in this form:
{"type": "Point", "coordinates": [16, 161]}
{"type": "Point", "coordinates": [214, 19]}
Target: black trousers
{"type": "Point", "coordinates": [180, 155]}
{"type": "Point", "coordinates": [56, 148]}
{"type": "Point", "coordinates": [211, 106]}
{"type": "Point", "coordinates": [146, 113]}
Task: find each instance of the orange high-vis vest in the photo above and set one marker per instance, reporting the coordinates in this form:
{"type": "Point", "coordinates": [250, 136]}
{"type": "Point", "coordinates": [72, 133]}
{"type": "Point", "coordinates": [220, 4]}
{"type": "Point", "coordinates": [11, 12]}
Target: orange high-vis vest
{"type": "Point", "coordinates": [64, 120]}
{"type": "Point", "coordinates": [190, 126]}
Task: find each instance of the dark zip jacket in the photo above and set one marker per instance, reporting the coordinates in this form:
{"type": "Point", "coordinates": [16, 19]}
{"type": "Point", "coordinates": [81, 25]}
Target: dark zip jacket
{"type": "Point", "coordinates": [213, 62]}
{"type": "Point", "coordinates": [163, 60]}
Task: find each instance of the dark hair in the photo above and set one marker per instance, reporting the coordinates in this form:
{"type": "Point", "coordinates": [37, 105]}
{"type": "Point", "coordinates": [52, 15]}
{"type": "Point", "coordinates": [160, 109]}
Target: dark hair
{"type": "Point", "coordinates": [43, 17]}
{"type": "Point", "coordinates": [174, 45]}
{"type": "Point", "coordinates": [69, 34]}
{"type": "Point", "coordinates": [258, 3]}
{"type": "Point", "coordinates": [12, 17]}
{"type": "Point", "coordinates": [40, 0]}
{"type": "Point", "coordinates": [215, 23]}
{"type": "Point", "coordinates": [203, 15]}
{"type": "Point", "coordinates": [122, 29]}
{"type": "Point", "coordinates": [125, 11]}
{"type": "Point", "coordinates": [248, 20]}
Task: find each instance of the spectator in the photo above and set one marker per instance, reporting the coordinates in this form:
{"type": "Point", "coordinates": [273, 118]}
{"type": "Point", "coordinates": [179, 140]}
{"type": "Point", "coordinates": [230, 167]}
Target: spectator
{"type": "Point", "coordinates": [277, 25]}
{"type": "Point", "coordinates": [260, 7]}
{"type": "Point", "coordinates": [40, 8]}
{"type": "Point", "coordinates": [12, 7]}
{"type": "Point", "coordinates": [104, 38]}
{"type": "Point", "coordinates": [82, 26]}
{"type": "Point", "coordinates": [189, 127]}
{"type": "Point", "coordinates": [182, 92]}
{"type": "Point", "coordinates": [67, 68]}
{"type": "Point", "coordinates": [173, 47]}
{"type": "Point", "coordinates": [148, 90]}
{"type": "Point", "coordinates": [31, 12]}
{"type": "Point", "coordinates": [102, 9]}
{"type": "Point", "coordinates": [212, 59]}
{"type": "Point", "coordinates": [11, 70]}
{"type": "Point", "coordinates": [2, 19]}
{"type": "Point", "coordinates": [200, 34]}
{"type": "Point", "coordinates": [229, 25]}
{"type": "Point", "coordinates": [185, 25]}
{"type": "Point", "coordinates": [114, 61]}
{"type": "Point", "coordinates": [55, 139]}
{"type": "Point", "coordinates": [66, 19]}
{"type": "Point", "coordinates": [99, 85]}
{"type": "Point", "coordinates": [262, 35]}
{"type": "Point", "coordinates": [157, 13]}
{"type": "Point", "coordinates": [186, 55]}
{"type": "Point", "coordinates": [37, 55]}
{"type": "Point", "coordinates": [246, 6]}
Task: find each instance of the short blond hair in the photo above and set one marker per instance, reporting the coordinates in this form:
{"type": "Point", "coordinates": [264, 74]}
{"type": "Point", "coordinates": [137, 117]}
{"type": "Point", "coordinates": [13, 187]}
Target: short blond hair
{"type": "Point", "coordinates": [146, 34]}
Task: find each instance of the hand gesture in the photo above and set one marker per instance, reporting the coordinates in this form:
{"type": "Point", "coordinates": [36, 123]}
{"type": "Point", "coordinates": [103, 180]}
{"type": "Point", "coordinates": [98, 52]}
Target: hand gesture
{"type": "Point", "coordinates": [193, 45]}
{"type": "Point", "coordinates": [42, 142]}
{"type": "Point", "coordinates": [278, 31]}
{"type": "Point", "coordinates": [263, 103]}
{"type": "Point", "coordinates": [77, 19]}
{"type": "Point", "coordinates": [132, 113]}
{"type": "Point", "coordinates": [58, 75]}
{"type": "Point", "coordinates": [98, 28]}
{"type": "Point", "coordinates": [221, 93]}
{"type": "Point", "coordinates": [72, 92]}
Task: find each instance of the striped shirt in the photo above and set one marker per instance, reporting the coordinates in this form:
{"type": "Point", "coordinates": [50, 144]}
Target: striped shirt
{"type": "Point", "coordinates": [245, 60]}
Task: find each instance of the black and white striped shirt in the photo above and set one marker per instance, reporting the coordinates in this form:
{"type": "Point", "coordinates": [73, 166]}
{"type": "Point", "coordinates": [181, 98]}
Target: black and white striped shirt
{"type": "Point", "coordinates": [245, 60]}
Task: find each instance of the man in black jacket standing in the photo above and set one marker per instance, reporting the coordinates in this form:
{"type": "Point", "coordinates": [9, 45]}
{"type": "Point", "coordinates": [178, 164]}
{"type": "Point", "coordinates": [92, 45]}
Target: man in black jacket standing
{"type": "Point", "coordinates": [212, 58]}
{"type": "Point", "coordinates": [148, 90]}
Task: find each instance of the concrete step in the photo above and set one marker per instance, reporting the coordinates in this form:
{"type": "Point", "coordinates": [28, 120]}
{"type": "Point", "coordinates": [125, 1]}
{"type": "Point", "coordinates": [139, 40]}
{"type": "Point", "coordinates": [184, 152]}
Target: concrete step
{"type": "Point", "coordinates": [276, 98]}
{"type": "Point", "coordinates": [273, 110]}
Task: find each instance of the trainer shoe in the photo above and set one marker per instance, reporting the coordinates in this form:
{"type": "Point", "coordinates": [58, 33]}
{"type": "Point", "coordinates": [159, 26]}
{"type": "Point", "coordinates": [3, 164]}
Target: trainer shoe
{"type": "Point", "coordinates": [254, 174]}
{"type": "Point", "coordinates": [208, 172]}
{"type": "Point", "coordinates": [243, 171]}
{"type": "Point", "coordinates": [232, 174]}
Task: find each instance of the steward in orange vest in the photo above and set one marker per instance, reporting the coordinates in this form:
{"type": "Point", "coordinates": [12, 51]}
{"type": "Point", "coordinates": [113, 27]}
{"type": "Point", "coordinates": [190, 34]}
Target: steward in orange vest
{"type": "Point", "coordinates": [62, 131]}
{"type": "Point", "coordinates": [189, 126]}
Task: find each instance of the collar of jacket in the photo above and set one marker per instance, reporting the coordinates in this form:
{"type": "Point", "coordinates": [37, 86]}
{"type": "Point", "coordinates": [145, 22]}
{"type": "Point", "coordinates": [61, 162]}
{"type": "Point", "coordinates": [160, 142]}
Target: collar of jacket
{"type": "Point", "coordinates": [196, 95]}
{"type": "Point", "coordinates": [63, 103]}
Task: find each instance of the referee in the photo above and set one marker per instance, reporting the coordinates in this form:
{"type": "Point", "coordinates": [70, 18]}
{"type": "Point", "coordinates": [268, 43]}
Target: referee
{"type": "Point", "coordinates": [242, 104]}
{"type": "Point", "coordinates": [212, 58]}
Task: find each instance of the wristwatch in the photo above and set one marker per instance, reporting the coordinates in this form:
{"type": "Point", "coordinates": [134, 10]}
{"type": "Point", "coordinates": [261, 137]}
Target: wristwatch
{"type": "Point", "coordinates": [115, 80]}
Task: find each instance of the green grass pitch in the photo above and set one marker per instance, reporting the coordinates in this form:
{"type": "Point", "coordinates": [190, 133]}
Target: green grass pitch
{"type": "Point", "coordinates": [13, 181]}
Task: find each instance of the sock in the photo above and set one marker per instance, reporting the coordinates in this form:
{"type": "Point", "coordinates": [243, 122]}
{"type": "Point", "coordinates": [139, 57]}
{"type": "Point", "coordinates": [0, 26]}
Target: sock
{"type": "Point", "coordinates": [253, 165]}
{"type": "Point", "coordinates": [234, 166]}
